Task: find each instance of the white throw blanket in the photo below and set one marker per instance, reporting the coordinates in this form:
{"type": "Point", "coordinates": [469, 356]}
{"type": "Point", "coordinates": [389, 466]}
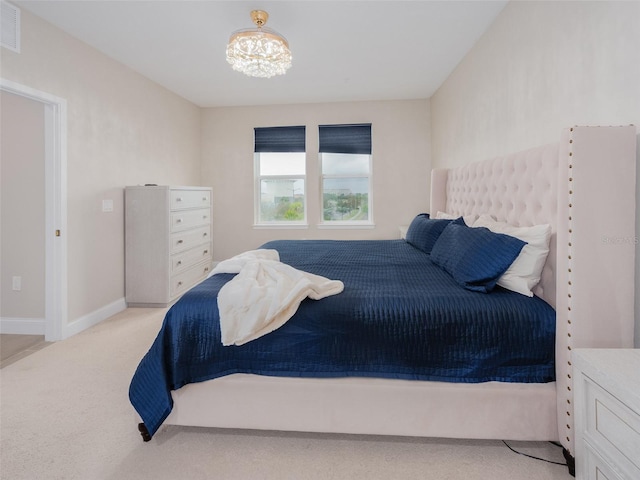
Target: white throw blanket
{"type": "Point", "coordinates": [264, 295]}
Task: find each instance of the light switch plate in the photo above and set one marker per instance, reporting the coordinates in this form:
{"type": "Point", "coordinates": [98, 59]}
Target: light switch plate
{"type": "Point", "coordinates": [107, 205]}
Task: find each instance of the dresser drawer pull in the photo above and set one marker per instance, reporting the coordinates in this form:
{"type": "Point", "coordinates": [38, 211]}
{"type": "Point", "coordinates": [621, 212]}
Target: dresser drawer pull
{"type": "Point", "coordinates": [204, 199]}
{"type": "Point", "coordinates": [204, 217]}
{"type": "Point", "coordinates": [178, 199]}
{"type": "Point", "coordinates": [179, 242]}
{"type": "Point", "coordinates": [179, 262]}
{"type": "Point", "coordinates": [204, 234]}
{"type": "Point", "coordinates": [178, 220]}
{"type": "Point", "coordinates": [179, 284]}
{"type": "Point", "coordinates": [205, 252]}
{"type": "Point", "coordinates": [206, 269]}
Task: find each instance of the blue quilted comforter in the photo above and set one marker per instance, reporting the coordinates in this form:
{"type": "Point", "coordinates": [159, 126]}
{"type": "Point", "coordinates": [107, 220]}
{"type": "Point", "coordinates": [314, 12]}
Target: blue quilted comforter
{"type": "Point", "coordinates": [400, 316]}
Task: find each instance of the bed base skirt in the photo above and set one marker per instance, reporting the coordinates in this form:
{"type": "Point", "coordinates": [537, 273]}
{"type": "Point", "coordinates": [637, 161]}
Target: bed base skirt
{"type": "Point", "coordinates": [492, 410]}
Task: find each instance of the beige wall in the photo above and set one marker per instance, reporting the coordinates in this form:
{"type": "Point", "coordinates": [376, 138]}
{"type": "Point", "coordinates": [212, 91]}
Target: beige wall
{"type": "Point", "coordinates": [541, 67]}
{"type": "Point", "coordinates": [401, 167]}
{"type": "Point", "coordinates": [122, 129]}
{"type": "Point", "coordinates": [22, 207]}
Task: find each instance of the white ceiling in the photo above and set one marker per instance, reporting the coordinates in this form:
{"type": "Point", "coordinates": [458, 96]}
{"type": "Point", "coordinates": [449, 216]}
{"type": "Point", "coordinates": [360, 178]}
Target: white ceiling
{"type": "Point", "coordinates": [342, 50]}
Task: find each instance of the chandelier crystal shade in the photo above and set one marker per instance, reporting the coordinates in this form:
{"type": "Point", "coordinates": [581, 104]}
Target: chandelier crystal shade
{"type": "Point", "coordinates": [259, 52]}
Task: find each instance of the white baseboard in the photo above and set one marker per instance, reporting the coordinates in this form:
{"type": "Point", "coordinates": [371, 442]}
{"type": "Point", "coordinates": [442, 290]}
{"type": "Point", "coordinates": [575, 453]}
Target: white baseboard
{"type": "Point", "coordinates": [93, 318]}
{"type": "Point", "coordinates": [22, 326]}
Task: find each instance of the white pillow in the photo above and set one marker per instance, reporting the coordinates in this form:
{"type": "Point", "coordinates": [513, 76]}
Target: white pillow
{"type": "Point", "coordinates": [468, 219]}
{"type": "Point", "coordinates": [524, 273]}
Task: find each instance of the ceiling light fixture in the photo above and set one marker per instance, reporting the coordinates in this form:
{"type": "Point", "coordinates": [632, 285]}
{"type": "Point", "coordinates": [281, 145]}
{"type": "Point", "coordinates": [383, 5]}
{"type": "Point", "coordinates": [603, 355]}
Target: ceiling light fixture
{"type": "Point", "coordinates": [259, 52]}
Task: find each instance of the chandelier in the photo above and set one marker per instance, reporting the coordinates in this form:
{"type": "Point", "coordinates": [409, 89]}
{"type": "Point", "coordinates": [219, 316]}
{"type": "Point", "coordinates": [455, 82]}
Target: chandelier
{"type": "Point", "coordinates": [259, 52]}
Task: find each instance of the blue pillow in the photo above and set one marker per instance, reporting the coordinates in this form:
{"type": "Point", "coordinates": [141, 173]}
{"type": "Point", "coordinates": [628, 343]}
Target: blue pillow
{"type": "Point", "coordinates": [475, 257]}
{"type": "Point", "coordinates": [424, 231]}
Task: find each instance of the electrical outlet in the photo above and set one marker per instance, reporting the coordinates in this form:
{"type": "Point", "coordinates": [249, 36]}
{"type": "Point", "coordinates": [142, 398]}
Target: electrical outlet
{"type": "Point", "coordinates": [17, 283]}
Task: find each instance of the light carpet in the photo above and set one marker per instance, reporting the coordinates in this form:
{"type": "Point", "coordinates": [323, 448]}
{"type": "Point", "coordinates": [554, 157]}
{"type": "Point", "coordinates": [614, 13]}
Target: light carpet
{"type": "Point", "coordinates": [65, 414]}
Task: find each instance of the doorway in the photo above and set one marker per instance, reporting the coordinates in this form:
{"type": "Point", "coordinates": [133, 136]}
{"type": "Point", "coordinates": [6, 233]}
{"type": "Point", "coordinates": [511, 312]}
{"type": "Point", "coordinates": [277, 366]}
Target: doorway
{"type": "Point", "coordinates": [55, 245]}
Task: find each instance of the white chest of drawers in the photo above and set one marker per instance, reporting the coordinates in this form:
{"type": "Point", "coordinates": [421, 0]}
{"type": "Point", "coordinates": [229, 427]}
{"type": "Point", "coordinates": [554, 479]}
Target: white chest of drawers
{"type": "Point", "coordinates": [168, 246]}
{"type": "Point", "coordinates": [607, 413]}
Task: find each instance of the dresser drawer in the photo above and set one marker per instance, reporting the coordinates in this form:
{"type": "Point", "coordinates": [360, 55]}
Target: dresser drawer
{"type": "Point", "coordinates": [186, 219]}
{"type": "Point", "coordinates": [183, 260]}
{"type": "Point", "coordinates": [185, 280]}
{"type": "Point", "coordinates": [183, 199]}
{"type": "Point", "coordinates": [597, 468]}
{"type": "Point", "coordinates": [613, 426]}
{"type": "Point", "coordinates": [188, 239]}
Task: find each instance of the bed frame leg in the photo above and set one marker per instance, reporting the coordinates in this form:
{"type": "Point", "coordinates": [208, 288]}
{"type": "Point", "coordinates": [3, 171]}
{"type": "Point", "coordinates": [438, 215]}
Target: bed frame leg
{"type": "Point", "coordinates": [142, 428]}
{"type": "Point", "coordinates": [571, 462]}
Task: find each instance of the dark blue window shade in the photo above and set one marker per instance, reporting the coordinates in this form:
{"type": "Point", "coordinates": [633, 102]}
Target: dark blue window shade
{"type": "Point", "coordinates": [345, 138]}
{"type": "Point", "coordinates": [280, 139]}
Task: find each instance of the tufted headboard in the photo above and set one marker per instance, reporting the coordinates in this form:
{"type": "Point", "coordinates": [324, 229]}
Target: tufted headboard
{"type": "Point", "coordinates": [520, 189]}
{"type": "Point", "coordinates": [584, 186]}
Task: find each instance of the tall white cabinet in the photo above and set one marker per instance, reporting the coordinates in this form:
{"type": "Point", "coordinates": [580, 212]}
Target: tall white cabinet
{"type": "Point", "coordinates": [168, 246]}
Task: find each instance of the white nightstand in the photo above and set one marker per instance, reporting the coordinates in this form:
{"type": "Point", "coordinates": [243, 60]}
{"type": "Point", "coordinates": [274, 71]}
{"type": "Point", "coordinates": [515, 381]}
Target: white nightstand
{"type": "Point", "coordinates": [607, 413]}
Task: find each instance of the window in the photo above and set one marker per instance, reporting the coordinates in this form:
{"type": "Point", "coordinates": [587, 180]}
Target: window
{"type": "Point", "coordinates": [280, 175]}
{"type": "Point", "coordinates": [345, 164]}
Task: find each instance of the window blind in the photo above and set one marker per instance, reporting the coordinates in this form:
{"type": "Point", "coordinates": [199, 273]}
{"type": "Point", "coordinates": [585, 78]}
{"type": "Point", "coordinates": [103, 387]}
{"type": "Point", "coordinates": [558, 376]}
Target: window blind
{"type": "Point", "coordinates": [354, 138]}
{"type": "Point", "coordinates": [280, 139]}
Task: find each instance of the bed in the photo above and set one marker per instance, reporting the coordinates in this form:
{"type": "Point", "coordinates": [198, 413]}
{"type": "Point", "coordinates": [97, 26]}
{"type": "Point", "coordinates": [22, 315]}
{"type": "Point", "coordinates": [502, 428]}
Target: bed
{"type": "Point", "coordinates": [583, 186]}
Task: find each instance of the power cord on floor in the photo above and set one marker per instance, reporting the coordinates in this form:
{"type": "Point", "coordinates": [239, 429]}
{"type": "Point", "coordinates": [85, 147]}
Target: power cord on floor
{"type": "Point", "coordinates": [536, 458]}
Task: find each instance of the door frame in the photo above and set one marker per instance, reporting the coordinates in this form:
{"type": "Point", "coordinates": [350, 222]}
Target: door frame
{"type": "Point", "coordinates": [55, 172]}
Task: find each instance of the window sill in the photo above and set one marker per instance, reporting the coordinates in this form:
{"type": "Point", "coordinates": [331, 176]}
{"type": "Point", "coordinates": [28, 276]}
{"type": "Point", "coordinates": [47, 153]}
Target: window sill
{"type": "Point", "coordinates": [346, 225]}
{"type": "Point", "coordinates": [266, 226]}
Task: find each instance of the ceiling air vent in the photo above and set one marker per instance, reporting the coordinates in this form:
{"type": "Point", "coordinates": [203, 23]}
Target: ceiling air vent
{"type": "Point", "coordinates": [10, 26]}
